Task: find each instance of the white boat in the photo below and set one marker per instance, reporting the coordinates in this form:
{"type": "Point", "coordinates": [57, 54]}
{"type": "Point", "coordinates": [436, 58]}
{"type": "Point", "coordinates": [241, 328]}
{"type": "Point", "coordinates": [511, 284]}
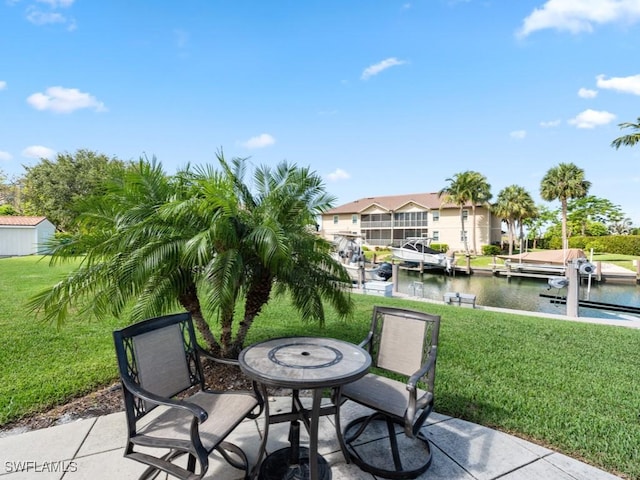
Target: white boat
{"type": "Point", "coordinates": [348, 251]}
{"type": "Point", "coordinates": [553, 262]}
{"type": "Point", "coordinates": [418, 250]}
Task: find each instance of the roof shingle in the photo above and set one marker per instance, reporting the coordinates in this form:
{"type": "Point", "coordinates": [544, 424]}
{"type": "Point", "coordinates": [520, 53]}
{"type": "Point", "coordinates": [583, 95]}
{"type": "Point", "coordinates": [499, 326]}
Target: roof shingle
{"type": "Point", "coordinates": [392, 203]}
{"type": "Point", "coordinates": [20, 221]}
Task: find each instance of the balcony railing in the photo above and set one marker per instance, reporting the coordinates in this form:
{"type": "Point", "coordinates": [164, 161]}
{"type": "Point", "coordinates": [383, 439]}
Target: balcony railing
{"type": "Point", "coordinates": [376, 224]}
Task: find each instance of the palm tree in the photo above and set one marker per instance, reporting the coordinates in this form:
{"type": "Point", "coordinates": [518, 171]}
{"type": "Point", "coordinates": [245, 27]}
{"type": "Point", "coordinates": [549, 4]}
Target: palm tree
{"type": "Point", "coordinates": [131, 253]}
{"type": "Point", "coordinates": [562, 183]}
{"type": "Point", "coordinates": [464, 188]}
{"type": "Point", "coordinates": [263, 243]}
{"type": "Point", "coordinates": [199, 241]}
{"type": "Point", "coordinates": [628, 140]}
{"type": "Point", "coordinates": [514, 204]}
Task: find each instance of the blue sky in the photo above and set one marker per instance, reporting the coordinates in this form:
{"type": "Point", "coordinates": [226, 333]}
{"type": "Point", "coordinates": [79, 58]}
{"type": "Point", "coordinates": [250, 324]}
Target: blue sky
{"type": "Point", "coordinates": [379, 97]}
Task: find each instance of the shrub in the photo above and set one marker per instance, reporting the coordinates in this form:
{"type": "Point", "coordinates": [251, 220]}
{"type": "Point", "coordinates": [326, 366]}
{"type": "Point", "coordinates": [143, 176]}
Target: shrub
{"type": "Point", "coordinates": [596, 245]}
{"type": "Point", "coordinates": [441, 247]}
{"type": "Point", "coordinates": [490, 250]}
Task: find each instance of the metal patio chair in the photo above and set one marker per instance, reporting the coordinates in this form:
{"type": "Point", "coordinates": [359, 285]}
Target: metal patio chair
{"type": "Point", "coordinates": [404, 343]}
{"type": "Point", "coordinates": [160, 366]}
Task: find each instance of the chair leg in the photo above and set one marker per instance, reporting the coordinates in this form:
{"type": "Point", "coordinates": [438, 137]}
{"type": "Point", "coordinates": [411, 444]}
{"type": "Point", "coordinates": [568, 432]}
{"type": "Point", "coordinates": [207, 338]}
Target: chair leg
{"type": "Point", "coordinates": [191, 463]}
{"type": "Point", "coordinates": [393, 439]}
{"type": "Point", "coordinates": [225, 448]}
{"type": "Point", "coordinates": [360, 426]}
{"type": "Point", "coordinates": [337, 400]}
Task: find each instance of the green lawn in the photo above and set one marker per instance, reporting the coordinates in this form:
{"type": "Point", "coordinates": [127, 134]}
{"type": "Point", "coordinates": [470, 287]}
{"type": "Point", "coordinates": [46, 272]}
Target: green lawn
{"type": "Point", "coordinates": [567, 385]}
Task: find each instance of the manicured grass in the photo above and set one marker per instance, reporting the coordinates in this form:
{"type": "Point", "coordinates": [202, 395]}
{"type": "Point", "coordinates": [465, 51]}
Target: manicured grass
{"type": "Point", "coordinates": [567, 385]}
{"type": "Point", "coordinates": [41, 366]}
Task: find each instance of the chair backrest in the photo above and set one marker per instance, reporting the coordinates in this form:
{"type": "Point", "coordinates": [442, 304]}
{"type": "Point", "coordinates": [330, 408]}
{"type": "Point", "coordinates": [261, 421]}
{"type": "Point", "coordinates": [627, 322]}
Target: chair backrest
{"type": "Point", "coordinates": [160, 356]}
{"type": "Point", "coordinates": [402, 339]}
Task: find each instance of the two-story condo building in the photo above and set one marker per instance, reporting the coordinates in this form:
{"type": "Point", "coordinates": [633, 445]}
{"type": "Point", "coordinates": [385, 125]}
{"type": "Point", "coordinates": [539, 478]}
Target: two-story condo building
{"type": "Point", "coordinates": [388, 220]}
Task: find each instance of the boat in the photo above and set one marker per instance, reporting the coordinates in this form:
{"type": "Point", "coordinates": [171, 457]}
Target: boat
{"type": "Point", "coordinates": [553, 262]}
{"type": "Point", "coordinates": [348, 251]}
{"type": "Point", "coordinates": [418, 250]}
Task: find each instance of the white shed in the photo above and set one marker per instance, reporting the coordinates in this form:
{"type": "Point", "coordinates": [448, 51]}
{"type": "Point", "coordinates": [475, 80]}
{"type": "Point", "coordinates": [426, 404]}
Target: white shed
{"type": "Point", "coordinates": [24, 235]}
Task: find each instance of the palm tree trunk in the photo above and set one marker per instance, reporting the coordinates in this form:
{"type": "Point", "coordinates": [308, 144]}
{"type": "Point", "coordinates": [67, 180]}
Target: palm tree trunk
{"type": "Point", "coordinates": [226, 327]}
{"type": "Point", "coordinates": [189, 300]}
{"type": "Point", "coordinates": [565, 240]}
{"type": "Point", "coordinates": [257, 297]}
{"type": "Point", "coordinates": [511, 234]}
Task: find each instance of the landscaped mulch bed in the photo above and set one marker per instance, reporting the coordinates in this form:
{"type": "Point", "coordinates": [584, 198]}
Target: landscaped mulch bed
{"type": "Point", "coordinates": [109, 400]}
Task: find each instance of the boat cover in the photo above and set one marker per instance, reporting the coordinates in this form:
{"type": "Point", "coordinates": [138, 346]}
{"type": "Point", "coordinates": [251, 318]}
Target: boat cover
{"type": "Point", "coordinates": [553, 257]}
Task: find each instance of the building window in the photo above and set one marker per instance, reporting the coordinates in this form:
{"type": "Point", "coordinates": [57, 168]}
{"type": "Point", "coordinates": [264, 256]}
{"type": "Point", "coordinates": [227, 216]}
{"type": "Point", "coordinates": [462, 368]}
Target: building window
{"type": "Point", "coordinates": [335, 219]}
{"type": "Point", "coordinates": [435, 235]}
{"type": "Point", "coordinates": [435, 215]}
{"type": "Point", "coordinates": [354, 219]}
{"type": "Point", "coordinates": [410, 219]}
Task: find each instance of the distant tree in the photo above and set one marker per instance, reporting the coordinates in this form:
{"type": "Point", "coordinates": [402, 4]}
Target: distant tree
{"type": "Point", "coordinates": [564, 182]}
{"type": "Point", "coordinates": [514, 205]}
{"type": "Point", "coordinates": [589, 209]}
{"type": "Point", "coordinates": [537, 225]}
{"type": "Point", "coordinates": [465, 188]}
{"type": "Point", "coordinates": [53, 187]}
{"type": "Point", "coordinates": [10, 194]}
{"type": "Point", "coordinates": [7, 209]}
{"type": "Point", "coordinates": [628, 140]}
{"type": "Point", "coordinates": [623, 226]}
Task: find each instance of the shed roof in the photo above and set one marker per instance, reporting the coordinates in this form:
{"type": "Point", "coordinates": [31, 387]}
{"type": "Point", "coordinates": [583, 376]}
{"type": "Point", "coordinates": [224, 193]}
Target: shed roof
{"type": "Point", "coordinates": [20, 221]}
{"type": "Point", "coordinates": [429, 201]}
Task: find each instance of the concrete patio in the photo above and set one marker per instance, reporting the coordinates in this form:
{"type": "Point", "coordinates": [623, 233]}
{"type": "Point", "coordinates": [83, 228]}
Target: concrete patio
{"type": "Point", "coordinates": [92, 449]}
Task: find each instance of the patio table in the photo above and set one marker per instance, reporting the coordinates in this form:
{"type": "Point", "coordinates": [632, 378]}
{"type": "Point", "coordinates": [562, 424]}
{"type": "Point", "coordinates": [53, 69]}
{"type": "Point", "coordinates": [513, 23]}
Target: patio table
{"type": "Point", "coordinates": [301, 363]}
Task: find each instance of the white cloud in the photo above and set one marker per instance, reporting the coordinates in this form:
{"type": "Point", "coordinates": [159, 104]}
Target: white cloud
{"type": "Point", "coordinates": [338, 175]}
{"type": "Point", "coordinates": [38, 151]}
{"type": "Point", "coordinates": [64, 100]}
{"type": "Point", "coordinates": [57, 3]}
{"type": "Point", "coordinates": [5, 156]}
{"type": "Point", "coordinates": [518, 134]}
{"type": "Point", "coordinates": [587, 93]}
{"type": "Point", "coordinates": [373, 70]}
{"type": "Point", "coordinates": [577, 16]}
{"type": "Point", "coordinates": [3, 84]}
{"type": "Point", "coordinates": [261, 141]}
{"type": "Point", "coordinates": [592, 118]}
{"type": "Point", "coordinates": [621, 84]}
{"type": "Point", "coordinates": [550, 123]}
{"type": "Point", "coordinates": [38, 17]}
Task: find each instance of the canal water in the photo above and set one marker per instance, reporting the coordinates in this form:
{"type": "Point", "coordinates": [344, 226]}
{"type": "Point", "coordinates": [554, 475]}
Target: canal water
{"type": "Point", "coordinates": [520, 293]}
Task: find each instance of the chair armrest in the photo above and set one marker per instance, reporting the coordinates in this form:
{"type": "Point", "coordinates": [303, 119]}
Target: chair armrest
{"type": "Point", "coordinates": [211, 356]}
{"type": "Point", "coordinates": [415, 378]}
{"type": "Point", "coordinates": [232, 361]}
{"type": "Point", "coordinates": [366, 341]}
{"type": "Point", "coordinates": [192, 408]}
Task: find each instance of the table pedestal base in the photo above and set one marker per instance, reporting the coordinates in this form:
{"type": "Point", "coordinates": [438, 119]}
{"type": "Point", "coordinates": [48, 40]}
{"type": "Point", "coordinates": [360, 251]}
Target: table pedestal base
{"type": "Point", "coordinates": [277, 466]}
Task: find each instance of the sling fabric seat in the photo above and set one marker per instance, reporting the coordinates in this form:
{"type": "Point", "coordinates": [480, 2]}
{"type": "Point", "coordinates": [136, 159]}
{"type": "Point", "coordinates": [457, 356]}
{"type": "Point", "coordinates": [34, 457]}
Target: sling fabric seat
{"type": "Point", "coordinates": [402, 343]}
{"type": "Point", "coordinates": [160, 366]}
